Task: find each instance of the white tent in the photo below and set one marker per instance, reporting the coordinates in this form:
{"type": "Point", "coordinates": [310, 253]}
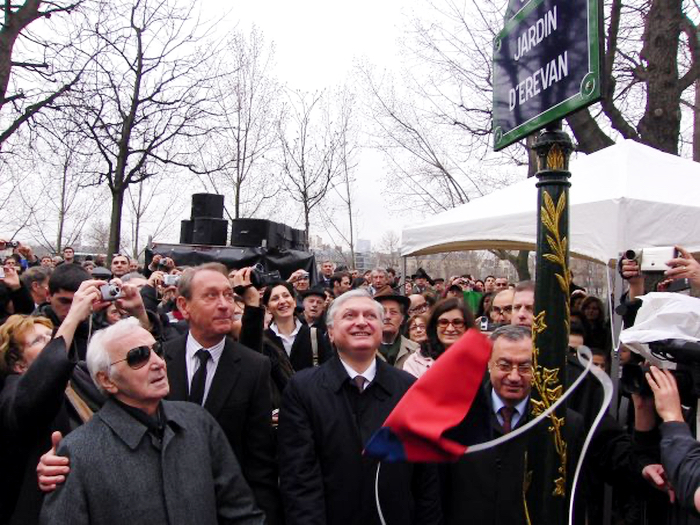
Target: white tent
{"type": "Point", "coordinates": [625, 196]}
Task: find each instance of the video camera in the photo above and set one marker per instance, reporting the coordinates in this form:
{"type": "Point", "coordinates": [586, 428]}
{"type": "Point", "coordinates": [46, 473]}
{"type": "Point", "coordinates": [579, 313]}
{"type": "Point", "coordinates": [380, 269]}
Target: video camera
{"type": "Point", "coordinates": [259, 278]}
{"type": "Point", "coordinates": [652, 265]}
{"type": "Point", "coordinates": [686, 355]}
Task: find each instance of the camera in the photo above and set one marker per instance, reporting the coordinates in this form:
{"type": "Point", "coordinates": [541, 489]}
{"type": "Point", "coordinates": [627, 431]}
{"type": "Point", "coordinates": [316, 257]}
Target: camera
{"type": "Point", "coordinates": [171, 280]}
{"type": "Point", "coordinates": [486, 325]}
{"type": "Point", "coordinates": [652, 264]}
{"type": "Point", "coordinates": [111, 292]}
{"type": "Point", "coordinates": [259, 278]}
{"type": "Point", "coordinates": [2, 272]}
{"type": "Point", "coordinates": [11, 244]}
{"type": "Point", "coordinates": [652, 259]}
{"type": "Point", "coordinates": [686, 356]}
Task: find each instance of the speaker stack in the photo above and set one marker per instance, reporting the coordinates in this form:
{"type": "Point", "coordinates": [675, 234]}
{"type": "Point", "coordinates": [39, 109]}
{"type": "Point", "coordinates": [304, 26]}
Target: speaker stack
{"type": "Point", "coordinates": [207, 225]}
{"type": "Point", "coordinates": [266, 234]}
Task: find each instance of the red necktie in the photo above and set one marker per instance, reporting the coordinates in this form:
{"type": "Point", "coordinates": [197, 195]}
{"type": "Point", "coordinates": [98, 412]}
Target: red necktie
{"type": "Point", "coordinates": [507, 415]}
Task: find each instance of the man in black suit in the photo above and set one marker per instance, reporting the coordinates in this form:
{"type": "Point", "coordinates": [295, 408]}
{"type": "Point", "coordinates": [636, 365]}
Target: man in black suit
{"type": "Point", "coordinates": [488, 485]}
{"type": "Point", "coordinates": [228, 379]}
{"type": "Point", "coordinates": [327, 415]}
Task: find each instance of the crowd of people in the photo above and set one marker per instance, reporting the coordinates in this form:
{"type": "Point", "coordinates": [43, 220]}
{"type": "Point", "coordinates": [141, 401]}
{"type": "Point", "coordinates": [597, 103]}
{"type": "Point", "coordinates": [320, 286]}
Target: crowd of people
{"type": "Point", "coordinates": [171, 394]}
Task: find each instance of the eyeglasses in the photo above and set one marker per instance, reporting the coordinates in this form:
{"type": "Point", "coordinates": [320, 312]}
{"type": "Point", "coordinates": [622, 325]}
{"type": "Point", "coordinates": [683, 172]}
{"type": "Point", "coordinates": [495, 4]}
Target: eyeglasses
{"type": "Point", "coordinates": [507, 367]}
{"type": "Point", "coordinates": [417, 327]}
{"type": "Point", "coordinates": [138, 357]}
{"type": "Point", "coordinates": [457, 323]}
{"type": "Point", "coordinates": [505, 310]}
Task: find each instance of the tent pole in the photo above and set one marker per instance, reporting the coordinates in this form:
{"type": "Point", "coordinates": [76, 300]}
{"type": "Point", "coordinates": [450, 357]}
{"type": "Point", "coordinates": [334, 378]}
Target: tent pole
{"type": "Point", "coordinates": [404, 266]}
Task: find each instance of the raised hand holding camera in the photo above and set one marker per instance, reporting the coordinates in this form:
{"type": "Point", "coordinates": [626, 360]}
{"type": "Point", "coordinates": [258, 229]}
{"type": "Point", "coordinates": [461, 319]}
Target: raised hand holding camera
{"type": "Point", "coordinates": [684, 266]}
{"type": "Point", "coordinates": [666, 397]}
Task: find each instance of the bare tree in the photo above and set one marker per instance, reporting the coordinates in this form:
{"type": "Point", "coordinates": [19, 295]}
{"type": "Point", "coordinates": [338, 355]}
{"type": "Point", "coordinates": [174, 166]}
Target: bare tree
{"type": "Point", "coordinates": [68, 201]}
{"type": "Point", "coordinates": [145, 102]}
{"type": "Point", "coordinates": [151, 206]}
{"type": "Point", "coordinates": [248, 114]}
{"type": "Point", "coordinates": [310, 150]}
{"type": "Point", "coordinates": [343, 188]}
{"type": "Point", "coordinates": [35, 71]}
{"type": "Point", "coordinates": [389, 250]}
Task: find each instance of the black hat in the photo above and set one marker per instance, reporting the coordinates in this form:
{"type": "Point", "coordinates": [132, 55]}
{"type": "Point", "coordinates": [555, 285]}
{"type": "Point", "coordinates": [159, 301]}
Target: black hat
{"type": "Point", "coordinates": [422, 274]}
{"type": "Point", "coordinates": [389, 296]}
{"type": "Point", "coordinates": [317, 291]}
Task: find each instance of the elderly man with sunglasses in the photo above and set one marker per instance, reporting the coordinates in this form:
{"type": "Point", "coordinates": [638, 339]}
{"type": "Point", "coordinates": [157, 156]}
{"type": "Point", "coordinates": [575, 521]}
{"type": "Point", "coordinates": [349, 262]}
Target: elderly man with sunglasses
{"type": "Point", "coordinates": [141, 459]}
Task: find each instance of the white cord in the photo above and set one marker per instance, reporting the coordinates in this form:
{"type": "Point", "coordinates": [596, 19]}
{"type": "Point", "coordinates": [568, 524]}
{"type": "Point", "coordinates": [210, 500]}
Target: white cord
{"type": "Point", "coordinates": [582, 351]}
{"type": "Point", "coordinates": [607, 385]}
{"type": "Point", "coordinates": [376, 495]}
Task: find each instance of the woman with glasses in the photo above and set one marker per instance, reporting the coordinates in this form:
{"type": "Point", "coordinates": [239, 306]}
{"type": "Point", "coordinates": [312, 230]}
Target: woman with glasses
{"type": "Point", "coordinates": [417, 328]}
{"type": "Point", "coordinates": [43, 392]}
{"type": "Point", "coordinates": [448, 321]}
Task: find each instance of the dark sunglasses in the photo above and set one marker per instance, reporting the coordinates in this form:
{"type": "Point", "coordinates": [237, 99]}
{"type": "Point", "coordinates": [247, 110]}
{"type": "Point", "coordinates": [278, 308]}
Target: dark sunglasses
{"type": "Point", "coordinates": [138, 357]}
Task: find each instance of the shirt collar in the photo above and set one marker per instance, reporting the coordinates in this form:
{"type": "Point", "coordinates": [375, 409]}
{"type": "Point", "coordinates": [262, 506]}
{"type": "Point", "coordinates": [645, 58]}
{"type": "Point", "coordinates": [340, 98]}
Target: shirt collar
{"type": "Point", "coordinates": [215, 351]}
{"type": "Point", "coordinates": [368, 374]}
{"type": "Point", "coordinates": [498, 404]}
{"type": "Point", "coordinates": [297, 327]}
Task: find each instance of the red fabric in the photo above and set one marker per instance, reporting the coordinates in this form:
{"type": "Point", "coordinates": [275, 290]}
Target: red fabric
{"type": "Point", "coordinates": [440, 399]}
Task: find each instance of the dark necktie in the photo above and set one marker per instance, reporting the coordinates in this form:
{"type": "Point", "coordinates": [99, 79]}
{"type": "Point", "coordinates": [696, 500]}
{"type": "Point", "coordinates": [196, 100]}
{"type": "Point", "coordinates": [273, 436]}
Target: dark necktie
{"type": "Point", "coordinates": [359, 382]}
{"type": "Point", "coordinates": [507, 415]}
{"type": "Point", "coordinates": [200, 377]}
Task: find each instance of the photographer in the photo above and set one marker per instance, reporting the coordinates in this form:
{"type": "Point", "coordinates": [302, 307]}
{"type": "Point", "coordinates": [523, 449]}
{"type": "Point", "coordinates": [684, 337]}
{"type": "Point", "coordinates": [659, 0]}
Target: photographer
{"type": "Point", "coordinates": [680, 451]}
{"type": "Point", "coordinates": [250, 331]}
{"type": "Point", "coordinates": [14, 296]}
{"type": "Point", "coordinates": [683, 266]}
{"type": "Point", "coordinates": [44, 392]}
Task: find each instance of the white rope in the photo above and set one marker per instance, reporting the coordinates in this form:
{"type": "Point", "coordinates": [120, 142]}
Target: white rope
{"type": "Point", "coordinates": [582, 352]}
{"type": "Point", "coordinates": [607, 385]}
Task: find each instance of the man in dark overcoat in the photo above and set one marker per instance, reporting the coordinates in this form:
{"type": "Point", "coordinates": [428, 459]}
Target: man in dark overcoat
{"type": "Point", "coordinates": [328, 413]}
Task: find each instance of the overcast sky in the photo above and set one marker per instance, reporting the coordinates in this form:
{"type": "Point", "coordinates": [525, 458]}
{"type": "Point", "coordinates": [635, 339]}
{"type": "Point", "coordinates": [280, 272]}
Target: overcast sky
{"type": "Point", "coordinates": [316, 45]}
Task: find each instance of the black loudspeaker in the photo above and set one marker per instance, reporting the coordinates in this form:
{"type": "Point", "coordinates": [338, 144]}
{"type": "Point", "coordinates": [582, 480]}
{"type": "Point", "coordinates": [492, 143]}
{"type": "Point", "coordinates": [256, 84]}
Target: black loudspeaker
{"type": "Point", "coordinates": [299, 240]}
{"type": "Point", "coordinates": [186, 229]}
{"type": "Point", "coordinates": [252, 233]}
{"type": "Point", "coordinates": [207, 205]}
{"type": "Point", "coordinates": [208, 230]}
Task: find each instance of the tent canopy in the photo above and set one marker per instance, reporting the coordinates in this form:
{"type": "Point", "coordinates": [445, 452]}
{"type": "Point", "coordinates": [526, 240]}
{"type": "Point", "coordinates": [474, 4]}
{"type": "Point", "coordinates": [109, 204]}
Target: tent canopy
{"type": "Point", "coordinates": [625, 196]}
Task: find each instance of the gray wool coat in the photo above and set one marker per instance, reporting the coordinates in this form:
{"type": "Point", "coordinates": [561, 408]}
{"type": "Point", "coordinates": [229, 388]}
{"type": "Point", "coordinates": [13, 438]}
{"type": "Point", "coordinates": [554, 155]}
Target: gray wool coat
{"type": "Point", "coordinates": [120, 474]}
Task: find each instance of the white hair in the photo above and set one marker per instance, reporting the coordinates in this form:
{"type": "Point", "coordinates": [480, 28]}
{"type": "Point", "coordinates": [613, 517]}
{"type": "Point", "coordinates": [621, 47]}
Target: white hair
{"type": "Point", "coordinates": [352, 294]}
{"type": "Point", "coordinates": [98, 359]}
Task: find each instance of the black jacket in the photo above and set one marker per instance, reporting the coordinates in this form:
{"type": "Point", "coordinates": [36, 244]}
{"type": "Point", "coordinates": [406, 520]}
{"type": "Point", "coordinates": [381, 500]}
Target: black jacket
{"type": "Point", "coordinates": [78, 348]}
{"type": "Point", "coordinates": [488, 485]}
{"type": "Point", "coordinates": [324, 425]}
{"type": "Point", "coordinates": [239, 400]}
{"type": "Point", "coordinates": [32, 406]}
{"type": "Point", "coordinates": [301, 355]}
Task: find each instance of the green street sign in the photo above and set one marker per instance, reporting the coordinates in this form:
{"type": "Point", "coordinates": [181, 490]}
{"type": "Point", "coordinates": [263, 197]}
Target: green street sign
{"type": "Point", "coordinates": [546, 64]}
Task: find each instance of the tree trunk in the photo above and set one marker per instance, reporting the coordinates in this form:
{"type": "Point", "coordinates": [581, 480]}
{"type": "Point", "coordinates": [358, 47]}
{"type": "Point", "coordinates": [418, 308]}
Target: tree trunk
{"type": "Point", "coordinates": [587, 132]}
{"type": "Point", "coordinates": [521, 266]}
{"type": "Point", "coordinates": [115, 227]}
{"type": "Point", "coordinates": [660, 125]}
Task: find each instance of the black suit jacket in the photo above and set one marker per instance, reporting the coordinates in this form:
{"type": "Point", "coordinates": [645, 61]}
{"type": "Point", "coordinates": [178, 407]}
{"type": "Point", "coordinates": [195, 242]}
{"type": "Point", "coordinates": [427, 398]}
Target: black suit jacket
{"type": "Point", "coordinates": [488, 485]}
{"type": "Point", "coordinates": [323, 428]}
{"type": "Point", "coordinates": [239, 400]}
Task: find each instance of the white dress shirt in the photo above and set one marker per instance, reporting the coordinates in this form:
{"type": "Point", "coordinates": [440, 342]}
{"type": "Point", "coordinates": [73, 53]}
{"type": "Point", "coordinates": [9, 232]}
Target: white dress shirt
{"type": "Point", "coordinates": [287, 340]}
{"type": "Point", "coordinates": [193, 361]}
{"type": "Point", "coordinates": [368, 374]}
